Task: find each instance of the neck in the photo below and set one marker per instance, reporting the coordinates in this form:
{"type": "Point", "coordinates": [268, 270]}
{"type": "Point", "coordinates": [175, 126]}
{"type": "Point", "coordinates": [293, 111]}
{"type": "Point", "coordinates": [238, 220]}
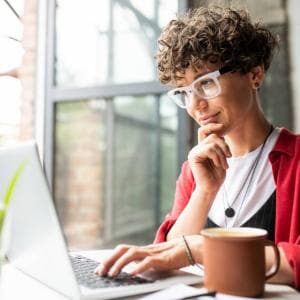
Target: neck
{"type": "Point", "coordinates": [248, 136]}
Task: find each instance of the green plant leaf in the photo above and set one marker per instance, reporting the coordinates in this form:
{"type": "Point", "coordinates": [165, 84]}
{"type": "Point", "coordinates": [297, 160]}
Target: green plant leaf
{"type": "Point", "coordinates": [13, 184]}
{"type": "Point", "coordinates": [9, 192]}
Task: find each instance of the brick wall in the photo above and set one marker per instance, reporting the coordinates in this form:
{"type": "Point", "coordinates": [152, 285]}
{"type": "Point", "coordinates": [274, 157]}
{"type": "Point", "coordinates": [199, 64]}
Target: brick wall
{"type": "Point", "coordinates": [79, 180]}
{"type": "Point", "coordinates": [28, 69]}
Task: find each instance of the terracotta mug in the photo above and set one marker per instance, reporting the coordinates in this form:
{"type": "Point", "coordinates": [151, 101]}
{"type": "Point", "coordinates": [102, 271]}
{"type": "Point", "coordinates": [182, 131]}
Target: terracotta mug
{"type": "Point", "coordinates": [234, 260]}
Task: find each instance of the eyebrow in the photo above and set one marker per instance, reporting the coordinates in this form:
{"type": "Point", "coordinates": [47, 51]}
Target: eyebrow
{"type": "Point", "coordinates": [180, 85]}
{"type": "Point", "coordinates": [194, 78]}
{"type": "Point", "coordinates": [201, 74]}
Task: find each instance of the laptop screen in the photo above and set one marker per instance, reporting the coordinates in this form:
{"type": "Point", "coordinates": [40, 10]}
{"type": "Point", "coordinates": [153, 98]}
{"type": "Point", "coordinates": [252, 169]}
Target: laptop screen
{"type": "Point", "coordinates": [32, 237]}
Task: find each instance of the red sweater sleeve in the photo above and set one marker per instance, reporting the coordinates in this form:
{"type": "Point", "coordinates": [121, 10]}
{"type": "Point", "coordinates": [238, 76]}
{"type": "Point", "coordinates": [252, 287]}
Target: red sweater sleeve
{"type": "Point", "coordinates": [184, 188]}
{"type": "Point", "coordinates": [285, 159]}
{"type": "Point", "coordinates": [292, 252]}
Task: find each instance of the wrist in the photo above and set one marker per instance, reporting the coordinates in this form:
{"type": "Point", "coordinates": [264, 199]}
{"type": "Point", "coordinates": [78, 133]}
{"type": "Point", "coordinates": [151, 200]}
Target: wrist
{"type": "Point", "coordinates": [202, 190]}
{"type": "Point", "coordinates": [193, 245]}
{"type": "Point", "coordinates": [203, 195]}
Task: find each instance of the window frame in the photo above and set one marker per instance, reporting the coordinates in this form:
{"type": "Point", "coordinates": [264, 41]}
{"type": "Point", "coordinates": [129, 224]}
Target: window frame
{"type": "Point", "coordinates": [53, 95]}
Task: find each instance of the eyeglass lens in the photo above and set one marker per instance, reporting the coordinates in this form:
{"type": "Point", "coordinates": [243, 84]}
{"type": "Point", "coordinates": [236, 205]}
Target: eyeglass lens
{"type": "Point", "coordinates": [206, 88]}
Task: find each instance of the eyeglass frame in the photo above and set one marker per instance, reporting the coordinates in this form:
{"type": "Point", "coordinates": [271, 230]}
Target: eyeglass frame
{"type": "Point", "coordinates": [190, 88]}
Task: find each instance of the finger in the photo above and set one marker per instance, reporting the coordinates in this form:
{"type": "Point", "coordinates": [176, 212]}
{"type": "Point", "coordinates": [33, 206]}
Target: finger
{"type": "Point", "coordinates": [220, 141]}
{"type": "Point", "coordinates": [131, 255]}
{"type": "Point", "coordinates": [208, 129]}
{"type": "Point", "coordinates": [214, 157]}
{"type": "Point", "coordinates": [104, 267]}
{"type": "Point", "coordinates": [222, 157]}
{"type": "Point", "coordinates": [144, 265]}
{"type": "Point", "coordinates": [223, 146]}
{"type": "Point", "coordinates": [217, 156]}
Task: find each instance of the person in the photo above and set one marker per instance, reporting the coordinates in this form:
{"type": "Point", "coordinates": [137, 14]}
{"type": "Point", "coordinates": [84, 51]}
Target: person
{"type": "Point", "coordinates": [243, 171]}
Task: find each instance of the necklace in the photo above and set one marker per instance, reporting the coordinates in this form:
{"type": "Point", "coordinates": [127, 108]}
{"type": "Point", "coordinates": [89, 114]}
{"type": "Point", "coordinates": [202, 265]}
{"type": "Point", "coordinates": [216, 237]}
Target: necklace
{"type": "Point", "coordinates": [229, 211]}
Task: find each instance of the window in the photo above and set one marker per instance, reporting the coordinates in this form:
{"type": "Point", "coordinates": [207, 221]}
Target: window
{"type": "Point", "coordinates": [11, 34]}
{"type": "Point", "coordinates": [108, 42]}
{"type": "Point", "coordinates": [111, 136]}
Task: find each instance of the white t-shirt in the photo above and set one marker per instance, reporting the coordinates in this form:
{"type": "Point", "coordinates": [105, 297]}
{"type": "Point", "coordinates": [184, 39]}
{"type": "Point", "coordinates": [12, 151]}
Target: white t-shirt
{"type": "Point", "coordinates": [260, 187]}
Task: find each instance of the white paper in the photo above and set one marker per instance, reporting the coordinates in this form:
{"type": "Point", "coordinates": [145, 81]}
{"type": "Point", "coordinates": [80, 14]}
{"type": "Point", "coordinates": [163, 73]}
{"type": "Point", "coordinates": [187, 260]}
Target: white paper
{"type": "Point", "coordinates": [177, 292]}
{"type": "Point", "coordinates": [180, 291]}
{"type": "Point", "coordinates": [194, 270]}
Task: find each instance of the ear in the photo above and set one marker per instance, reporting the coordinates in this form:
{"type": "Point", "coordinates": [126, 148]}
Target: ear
{"type": "Point", "coordinates": [257, 76]}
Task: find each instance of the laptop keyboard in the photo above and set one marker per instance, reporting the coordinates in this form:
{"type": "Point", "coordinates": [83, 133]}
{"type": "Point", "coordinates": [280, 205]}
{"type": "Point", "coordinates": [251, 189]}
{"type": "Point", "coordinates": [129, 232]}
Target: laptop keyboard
{"type": "Point", "coordinates": [84, 272]}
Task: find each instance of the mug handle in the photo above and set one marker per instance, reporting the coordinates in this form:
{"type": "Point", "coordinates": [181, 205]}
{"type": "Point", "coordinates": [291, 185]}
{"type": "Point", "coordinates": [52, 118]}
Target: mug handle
{"type": "Point", "coordinates": [274, 269]}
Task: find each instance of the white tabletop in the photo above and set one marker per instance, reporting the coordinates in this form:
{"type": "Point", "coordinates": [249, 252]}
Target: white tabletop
{"type": "Point", "coordinates": [16, 285]}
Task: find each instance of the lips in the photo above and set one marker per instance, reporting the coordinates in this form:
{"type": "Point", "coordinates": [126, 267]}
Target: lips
{"type": "Point", "coordinates": [208, 119]}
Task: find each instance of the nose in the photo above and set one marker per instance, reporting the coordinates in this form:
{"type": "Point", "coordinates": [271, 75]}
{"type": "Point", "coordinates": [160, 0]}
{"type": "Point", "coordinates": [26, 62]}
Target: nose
{"type": "Point", "coordinates": [197, 103]}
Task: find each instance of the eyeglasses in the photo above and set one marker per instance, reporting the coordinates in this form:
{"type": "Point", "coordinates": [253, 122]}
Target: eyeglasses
{"type": "Point", "coordinates": [205, 87]}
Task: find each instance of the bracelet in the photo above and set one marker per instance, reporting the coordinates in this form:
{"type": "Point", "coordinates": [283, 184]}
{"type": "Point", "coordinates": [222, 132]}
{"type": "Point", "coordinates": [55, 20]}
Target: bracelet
{"type": "Point", "coordinates": [189, 254]}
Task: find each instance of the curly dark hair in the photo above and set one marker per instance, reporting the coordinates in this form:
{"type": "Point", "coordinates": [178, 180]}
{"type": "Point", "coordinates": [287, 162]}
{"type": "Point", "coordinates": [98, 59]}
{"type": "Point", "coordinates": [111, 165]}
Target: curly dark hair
{"type": "Point", "coordinates": [216, 35]}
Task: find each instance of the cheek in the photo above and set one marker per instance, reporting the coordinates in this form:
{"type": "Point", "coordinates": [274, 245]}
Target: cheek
{"type": "Point", "coordinates": [235, 115]}
{"type": "Point", "coordinates": [242, 93]}
{"type": "Point", "coordinates": [237, 99]}
{"type": "Point", "coordinates": [231, 109]}
{"type": "Point", "coordinates": [191, 112]}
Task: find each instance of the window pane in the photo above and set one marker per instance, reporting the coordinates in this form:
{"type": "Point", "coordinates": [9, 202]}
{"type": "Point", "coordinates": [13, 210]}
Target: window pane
{"type": "Point", "coordinates": [168, 112]}
{"type": "Point", "coordinates": [80, 153]}
{"type": "Point", "coordinates": [10, 26]}
{"type": "Point", "coordinates": [145, 165]}
{"type": "Point", "coordinates": [101, 42]}
{"type": "Point", "coordinates": [141, 108]}
{"type": "Point", "coordinates": [169, 154]}
{"type": "Point", "coordinates": [135, 167]}
{"type": "Point", "coordinates": [135, 181]}
{"type": "Point", "coordinates": [114, 172]}
{"type": "Point", "coordinates": [168, 169]}
{"type": "Point", "coordinates": [10, 109]}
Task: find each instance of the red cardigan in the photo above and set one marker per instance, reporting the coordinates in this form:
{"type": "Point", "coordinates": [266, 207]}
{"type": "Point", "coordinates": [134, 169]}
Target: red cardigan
{"type": "Point", "coordinates": [285, 160]}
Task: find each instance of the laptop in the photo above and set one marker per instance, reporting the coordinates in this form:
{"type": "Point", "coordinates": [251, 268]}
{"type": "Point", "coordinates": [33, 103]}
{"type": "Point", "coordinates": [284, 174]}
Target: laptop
{"type": "Point", "coordinates": [34, 242]}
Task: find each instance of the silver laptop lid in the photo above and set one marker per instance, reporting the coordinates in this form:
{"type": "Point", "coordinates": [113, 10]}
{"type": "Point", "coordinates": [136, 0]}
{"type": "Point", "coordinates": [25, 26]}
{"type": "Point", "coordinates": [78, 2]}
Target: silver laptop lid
{"type": "Point", "coordinates": [32, 236]}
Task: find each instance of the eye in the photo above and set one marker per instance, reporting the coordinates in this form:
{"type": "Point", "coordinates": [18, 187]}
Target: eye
{"type": "Point", "coordinates": [207, 83]}
{"type": "Point", "coordinates": [203, 83]}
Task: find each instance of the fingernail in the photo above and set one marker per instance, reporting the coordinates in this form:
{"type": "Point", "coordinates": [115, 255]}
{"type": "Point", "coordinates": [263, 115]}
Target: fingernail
{"type": "Point", "coordinates": [132, 273]}
{"type": "Point", "coordinates": [99, 270]}
{"type": "Point", "coordinates": [112, 273]}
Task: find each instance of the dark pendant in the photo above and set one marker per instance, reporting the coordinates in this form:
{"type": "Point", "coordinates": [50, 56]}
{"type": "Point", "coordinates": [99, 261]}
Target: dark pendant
{"type": "Point", "coordinates": [229, 212]}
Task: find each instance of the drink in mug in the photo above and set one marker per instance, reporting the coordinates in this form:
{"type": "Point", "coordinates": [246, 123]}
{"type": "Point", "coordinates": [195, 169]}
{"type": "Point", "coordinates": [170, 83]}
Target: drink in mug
{"type": "Point", "coordinates": [234, 260]}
